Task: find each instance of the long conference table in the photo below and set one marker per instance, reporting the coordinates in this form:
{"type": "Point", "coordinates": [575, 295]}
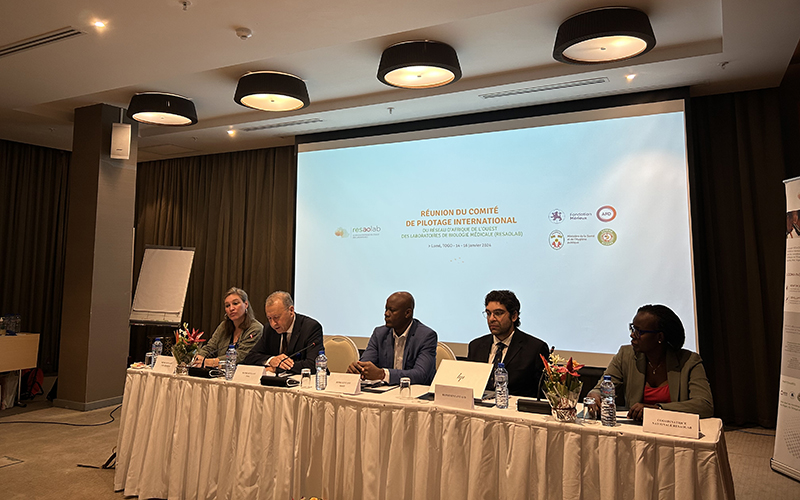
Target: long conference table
{"type": "Point", "coordinates": [184, 437]}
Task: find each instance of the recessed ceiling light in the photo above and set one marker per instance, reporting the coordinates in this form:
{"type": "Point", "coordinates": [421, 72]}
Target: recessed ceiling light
{"type": "Point", "coordinates": [99, 24]}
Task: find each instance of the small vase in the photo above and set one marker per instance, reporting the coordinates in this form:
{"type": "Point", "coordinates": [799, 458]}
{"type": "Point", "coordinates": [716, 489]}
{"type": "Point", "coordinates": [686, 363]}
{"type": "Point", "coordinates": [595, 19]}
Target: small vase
{"type": "Point", "coordinates": [563, 403]}
{"type": "Point", "coordinates": [182, 369]}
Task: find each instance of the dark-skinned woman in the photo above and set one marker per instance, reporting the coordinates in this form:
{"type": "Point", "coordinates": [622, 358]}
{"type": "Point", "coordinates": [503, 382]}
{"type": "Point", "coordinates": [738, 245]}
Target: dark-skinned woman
{"type": "Point", "coordinates": [654, 370]}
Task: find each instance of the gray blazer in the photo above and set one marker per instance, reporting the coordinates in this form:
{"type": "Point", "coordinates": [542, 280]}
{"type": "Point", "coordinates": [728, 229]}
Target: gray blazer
{"type": "Point", "coordinates": [689, 390]}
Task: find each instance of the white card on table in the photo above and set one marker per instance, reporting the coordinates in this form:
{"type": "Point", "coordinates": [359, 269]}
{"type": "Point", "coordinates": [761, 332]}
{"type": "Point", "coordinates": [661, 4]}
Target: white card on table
{"type": "Point", "coordinates": [248, 374]}
{"type": "Point", "coordinates": [671, 423]}
{"type": "Point", "coordinates": [345, 383]}
{"type": "Point", "coordinates": [456, 397]}
{"type": "Point", "coordinates": [165, 364]}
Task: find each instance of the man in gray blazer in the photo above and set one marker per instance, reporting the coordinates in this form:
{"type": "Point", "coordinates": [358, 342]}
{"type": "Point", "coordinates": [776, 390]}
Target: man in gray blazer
{"type": "Point", "coordinates": [403, 347]}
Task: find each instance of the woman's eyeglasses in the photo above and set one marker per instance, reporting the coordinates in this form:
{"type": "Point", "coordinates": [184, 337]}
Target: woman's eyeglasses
{"type": "Point", "coordinates": [636, 332]}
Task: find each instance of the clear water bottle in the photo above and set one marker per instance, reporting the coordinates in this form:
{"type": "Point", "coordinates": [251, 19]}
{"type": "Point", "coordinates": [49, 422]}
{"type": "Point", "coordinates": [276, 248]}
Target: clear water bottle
{"type": "Point", "coordinates": [608, 412]}
{"type": "Point", "coordinates": [322, 371]}
{"type": "Point", "coordinates": [501, 386]}
{"type": "Point", "coordinates": [230, 362]}
{"type": "Point", "coordinates": [608, 406]}
{"type": "Point", "coordinates": [158, 347]}
{"type": "Point", "coordinates": [607, 388]}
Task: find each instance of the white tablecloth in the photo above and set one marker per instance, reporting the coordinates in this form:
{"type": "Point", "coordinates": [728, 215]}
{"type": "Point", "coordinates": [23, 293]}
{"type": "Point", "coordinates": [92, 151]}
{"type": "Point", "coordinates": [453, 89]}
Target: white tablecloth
{"type": "Point", "coordinates": [183, 437]}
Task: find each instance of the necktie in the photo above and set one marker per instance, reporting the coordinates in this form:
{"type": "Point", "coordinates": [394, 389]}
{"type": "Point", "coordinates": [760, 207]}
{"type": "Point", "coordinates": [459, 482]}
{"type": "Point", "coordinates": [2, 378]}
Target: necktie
{"type": "Point", "coordinates": [284, 347]}
{"type": "Point", "coordinates": [498, 357]}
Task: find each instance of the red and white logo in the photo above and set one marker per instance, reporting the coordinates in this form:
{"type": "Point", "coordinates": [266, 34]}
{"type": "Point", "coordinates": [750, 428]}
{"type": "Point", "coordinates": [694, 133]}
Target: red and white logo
{"type": "Point", "coordinates": [606, 213]}
{"type": "Point", "coordinates": [556, 240]}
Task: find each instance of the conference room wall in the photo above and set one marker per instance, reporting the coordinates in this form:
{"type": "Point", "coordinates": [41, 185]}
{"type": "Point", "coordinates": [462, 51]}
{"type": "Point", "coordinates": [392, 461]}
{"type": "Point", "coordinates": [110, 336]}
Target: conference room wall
{"type": "Point", "coordinates": [739, 282]}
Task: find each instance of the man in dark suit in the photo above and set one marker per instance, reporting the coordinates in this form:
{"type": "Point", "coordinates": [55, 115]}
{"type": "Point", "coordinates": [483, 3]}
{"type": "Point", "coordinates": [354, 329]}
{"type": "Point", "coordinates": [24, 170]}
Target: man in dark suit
{"type": "Point", "coordinates": [403, 347]}
{"type": "Point", "coordinates": [286, 332]}
{"type": "Point", "coordinates": [515, 348]}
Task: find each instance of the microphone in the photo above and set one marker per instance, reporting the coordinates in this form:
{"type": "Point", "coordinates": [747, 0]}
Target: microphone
{"type": "Point", "coordinates": [309, 346]}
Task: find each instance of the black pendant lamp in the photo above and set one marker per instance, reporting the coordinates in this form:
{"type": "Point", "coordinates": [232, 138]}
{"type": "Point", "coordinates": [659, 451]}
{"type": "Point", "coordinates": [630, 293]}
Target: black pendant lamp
{"type": "Point", "coordinates": [271, 91]}
{"type": "Point", "coordinates": [604, 35]}
{"type": "Point", "coordinates": [157, 108]}
{"type": "Point", "coordinates": [420, 64]}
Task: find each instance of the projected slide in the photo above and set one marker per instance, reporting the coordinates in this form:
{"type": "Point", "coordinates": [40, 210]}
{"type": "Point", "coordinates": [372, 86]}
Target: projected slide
{"type": "Point", "coordinates": [583, 221]}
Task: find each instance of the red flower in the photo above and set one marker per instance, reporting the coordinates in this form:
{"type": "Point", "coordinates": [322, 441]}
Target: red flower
{"type": "Point", "coordinates": [572, 368]}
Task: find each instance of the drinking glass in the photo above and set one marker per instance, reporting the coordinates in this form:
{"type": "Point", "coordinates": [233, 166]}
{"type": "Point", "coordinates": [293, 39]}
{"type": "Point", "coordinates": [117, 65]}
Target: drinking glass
{"type": "Point", "coordinates": [588, 419]}
{"type": "Point", "coordinates": [148, 360]}
{"type": "Point", "coordinates": [305, 378]}
{"type": "Point", "coordinates": [405, 388]}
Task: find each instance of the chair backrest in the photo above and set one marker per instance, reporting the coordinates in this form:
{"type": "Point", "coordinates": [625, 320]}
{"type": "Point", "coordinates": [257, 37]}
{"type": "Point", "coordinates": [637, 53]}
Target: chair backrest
{"type": "Point", "coordinates": [341, 352]}
{"type": "Point", "coordinates": [443, 351]}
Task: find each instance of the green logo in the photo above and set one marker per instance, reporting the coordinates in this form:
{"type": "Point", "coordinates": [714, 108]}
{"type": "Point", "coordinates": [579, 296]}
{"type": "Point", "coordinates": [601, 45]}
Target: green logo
{"type": "Point", "coordinates": [607, 237]}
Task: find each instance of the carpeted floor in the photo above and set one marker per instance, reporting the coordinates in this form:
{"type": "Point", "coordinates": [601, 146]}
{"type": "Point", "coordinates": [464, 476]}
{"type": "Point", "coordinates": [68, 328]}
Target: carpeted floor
{"type": "Point", "coordinates": [40, 461]}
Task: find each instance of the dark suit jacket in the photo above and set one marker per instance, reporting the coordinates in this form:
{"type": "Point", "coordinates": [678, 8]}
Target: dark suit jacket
{"type": "Point", "coordinates": [306, 330]}
{"type": "Point", "coordinates": [522, 361]}
{"type": "Point", "coordinates": [419, 355]}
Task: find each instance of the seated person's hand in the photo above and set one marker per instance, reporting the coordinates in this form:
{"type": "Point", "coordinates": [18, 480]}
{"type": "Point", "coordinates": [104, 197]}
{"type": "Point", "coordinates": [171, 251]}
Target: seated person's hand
{"type": "Point", "coordinates": [354, 367]}
{"type": "Point", "coordinates": [281, 362]}
{"type": "Point", "coordinates": [637, 411]}
{"type": "Point", "coordinates": [369, 371]}
{"type": "Point", "coordinates": [198, 360]}
{"type": "Point", "coordinates": [594, 410]}
{"type": "Point", "coordinates": [211, 362]}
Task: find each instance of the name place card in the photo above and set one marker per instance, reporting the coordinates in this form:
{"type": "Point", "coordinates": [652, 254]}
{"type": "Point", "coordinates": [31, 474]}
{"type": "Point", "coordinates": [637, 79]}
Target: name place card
{"type": "Point", "coordinates": [456, 397]}
{"type": "Point", "coordinates": [345, 383]}
{"type": "Point", "coordinates": [248, 374]}
{"type": "Point", "coordinates": [165, 364]}
{"type": "Point", "coordinates": [671, 423]}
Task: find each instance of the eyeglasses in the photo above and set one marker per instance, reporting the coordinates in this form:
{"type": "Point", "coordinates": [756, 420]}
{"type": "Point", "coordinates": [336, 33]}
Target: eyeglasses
{"type": "Point", "coordinates": [497, 313]}
{"type": "Point", "coordinates": [636, 332]}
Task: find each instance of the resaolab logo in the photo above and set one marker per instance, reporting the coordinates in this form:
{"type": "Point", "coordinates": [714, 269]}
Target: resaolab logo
{"type": "Point", "coordinates": [365, 231]}
{"type": "Point", "coordinates": [341, 233]}
{"type": "Point", "coordinates": [607, 237]}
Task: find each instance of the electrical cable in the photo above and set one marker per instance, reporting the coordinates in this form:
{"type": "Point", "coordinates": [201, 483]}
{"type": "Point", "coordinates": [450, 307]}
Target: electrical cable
{"type": "Point", "coordinates": [111, 415]}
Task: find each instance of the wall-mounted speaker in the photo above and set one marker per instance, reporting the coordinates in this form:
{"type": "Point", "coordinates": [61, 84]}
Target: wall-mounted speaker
{"type": "Point", "coordinates": [120, 141]}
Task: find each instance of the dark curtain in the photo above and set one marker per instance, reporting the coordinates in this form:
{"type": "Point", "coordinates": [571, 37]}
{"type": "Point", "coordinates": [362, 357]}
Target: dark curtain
{"type": "Point", "coordinates": [33, 205]}
{"type": "Point", "coordinates": [738, 223]}
{"type": "Point", "coordinates": [237, 210]}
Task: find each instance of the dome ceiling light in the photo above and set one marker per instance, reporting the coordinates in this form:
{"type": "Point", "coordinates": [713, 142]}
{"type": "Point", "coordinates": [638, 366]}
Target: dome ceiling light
{"type": "Point", "coordinates": [419, 65]}
{"type": "Point", "coordinates": [271, 91]}
{"type": "Point", "coordinates": [158, 108]}
{"type": "Point", "coordinates": [604, 35]}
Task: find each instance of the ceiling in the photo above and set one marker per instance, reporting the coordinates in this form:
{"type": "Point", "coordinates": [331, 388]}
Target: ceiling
{"type": "Point", "coordinates": [712, 46]}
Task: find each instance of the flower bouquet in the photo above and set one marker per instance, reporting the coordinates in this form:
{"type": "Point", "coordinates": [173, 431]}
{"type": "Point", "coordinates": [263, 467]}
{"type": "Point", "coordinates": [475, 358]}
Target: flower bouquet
{"type": "Point", "coordinates": [186, 346]}
{"type": "Point", "coordinates": [562, 386]}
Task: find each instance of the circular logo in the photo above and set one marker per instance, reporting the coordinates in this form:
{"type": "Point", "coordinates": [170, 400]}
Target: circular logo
{"type": "Point", "coordinates": [556, 240]}
{"type": "Point", "coordinates": [556, 216]}
{"type": "Point", "coordinates": [606, 213]}
{"type": "Point", "coordinates": [607, 237]}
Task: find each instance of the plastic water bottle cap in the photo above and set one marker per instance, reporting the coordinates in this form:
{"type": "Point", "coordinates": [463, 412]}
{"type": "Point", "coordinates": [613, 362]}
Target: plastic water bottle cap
{"type": "Point", "coordinates": [322, 352]}
{"type": "Point", "coordinates": [501, 365]}
{"type": "Point", "coordinates": [158, 338]}
{"type": "Point", "coordinates": [606, 377]}
{"type": "Point", "coordinates": [231, 346]}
